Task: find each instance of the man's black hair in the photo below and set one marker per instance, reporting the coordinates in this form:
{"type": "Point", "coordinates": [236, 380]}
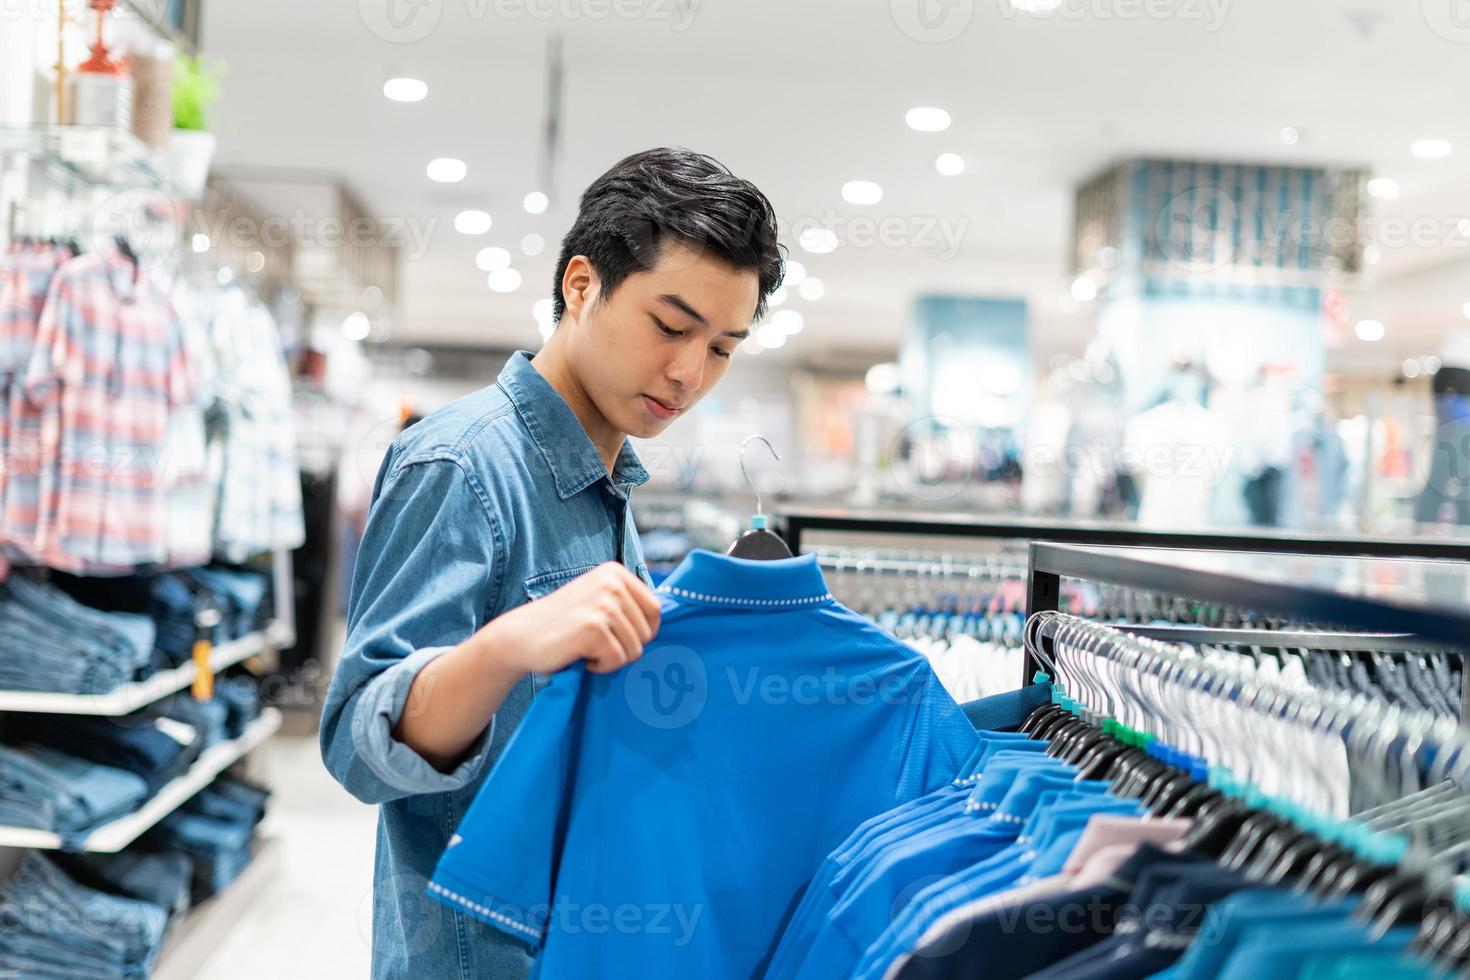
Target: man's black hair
{"type": "Point", "coordinates": [627, 213]}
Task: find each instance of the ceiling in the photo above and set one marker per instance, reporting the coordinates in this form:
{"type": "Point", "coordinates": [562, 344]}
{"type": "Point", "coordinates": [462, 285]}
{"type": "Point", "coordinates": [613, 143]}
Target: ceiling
{"type": "Point", "coordinates": [800, 97]}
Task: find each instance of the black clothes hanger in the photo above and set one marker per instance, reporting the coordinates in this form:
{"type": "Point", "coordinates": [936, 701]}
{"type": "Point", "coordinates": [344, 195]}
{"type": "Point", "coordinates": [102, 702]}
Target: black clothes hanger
{"type": "Point", "coordinates": [126, 248]}
{"type": "Point", "coordinates": [759, 543]}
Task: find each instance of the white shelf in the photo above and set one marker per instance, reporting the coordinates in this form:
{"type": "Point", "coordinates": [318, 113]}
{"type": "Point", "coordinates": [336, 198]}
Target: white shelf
{"type": "Point", "coordinates": [192, 941]}
{"type": "Point", "coordinates": [114, 836]}
{"type": "Point", "coordinates": [131, 697]}
{"type": "Point", "coordinates": [98, 156]}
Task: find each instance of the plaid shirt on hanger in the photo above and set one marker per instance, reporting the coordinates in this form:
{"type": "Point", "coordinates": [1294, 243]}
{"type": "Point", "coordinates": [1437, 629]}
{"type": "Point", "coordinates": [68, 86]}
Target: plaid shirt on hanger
{"type": "Point", "coordinates": [108, 366]}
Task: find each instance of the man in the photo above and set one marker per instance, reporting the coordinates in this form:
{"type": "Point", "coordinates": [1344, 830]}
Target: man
{"type": "Point", "coordinates": [519, 492]}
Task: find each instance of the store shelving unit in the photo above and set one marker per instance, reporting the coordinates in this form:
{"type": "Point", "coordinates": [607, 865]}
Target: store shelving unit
{"type": "Point", "coordinates": [131, 697]}
{"type": "Point", "coordinates": [1334, 602]}
{"type": "Point", "coordinates": [193, 940]}
{"type": "Point", "coordinates": [114, 836]}
{"type": "Point", "coordinates": [101, 157]}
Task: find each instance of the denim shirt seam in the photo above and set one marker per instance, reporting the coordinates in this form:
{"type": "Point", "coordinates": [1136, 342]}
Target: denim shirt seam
{"type": "Point", "coordinates": [497, 535]}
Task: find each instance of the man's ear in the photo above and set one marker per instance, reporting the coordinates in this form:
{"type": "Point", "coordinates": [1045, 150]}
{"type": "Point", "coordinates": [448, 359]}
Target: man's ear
{"type": "Point", "coordinates": [579, 286]}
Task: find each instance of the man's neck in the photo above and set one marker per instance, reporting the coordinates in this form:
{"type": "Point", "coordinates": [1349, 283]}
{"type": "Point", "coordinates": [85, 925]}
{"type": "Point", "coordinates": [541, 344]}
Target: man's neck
{"type": "Point", "coordinates": [552, 364]}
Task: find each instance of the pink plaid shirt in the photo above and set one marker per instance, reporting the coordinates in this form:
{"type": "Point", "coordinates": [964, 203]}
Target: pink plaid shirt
{"type": "Point", "coordinates": [107, 367]}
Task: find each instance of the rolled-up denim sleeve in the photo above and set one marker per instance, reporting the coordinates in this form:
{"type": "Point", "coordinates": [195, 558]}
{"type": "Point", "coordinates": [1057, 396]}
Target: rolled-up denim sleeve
{"type": "Point", "coordinates": [425, 573]}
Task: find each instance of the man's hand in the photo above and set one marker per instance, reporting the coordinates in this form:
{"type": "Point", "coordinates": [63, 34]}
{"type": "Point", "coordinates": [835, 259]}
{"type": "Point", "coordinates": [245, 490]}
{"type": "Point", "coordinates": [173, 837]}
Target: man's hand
{"type": "Point", "coordinates": [604, 617]}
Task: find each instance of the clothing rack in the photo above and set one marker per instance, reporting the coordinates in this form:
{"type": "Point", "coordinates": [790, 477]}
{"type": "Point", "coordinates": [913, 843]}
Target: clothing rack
{"type": "Point", "coordinates": [1332, 603]}
{"type": "Point", "coordinates": [1390, 818]}
{"type": "Point", "coordinates": [800, 526]}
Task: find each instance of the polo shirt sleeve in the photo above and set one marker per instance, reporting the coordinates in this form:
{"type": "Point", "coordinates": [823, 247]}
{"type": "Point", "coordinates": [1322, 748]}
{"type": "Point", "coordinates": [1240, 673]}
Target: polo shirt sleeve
{"type": "Point", "coordinates": [425, 574]}
{"type": "Point", "coordinates": [500, 866]}
{"type": "Point", "coordinates": [939, 737]}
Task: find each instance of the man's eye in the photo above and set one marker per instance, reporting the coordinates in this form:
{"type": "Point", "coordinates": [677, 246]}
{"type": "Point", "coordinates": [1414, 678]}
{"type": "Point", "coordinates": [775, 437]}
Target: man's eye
{"type": "Point", "coordinates": [667, 332]}
{"type": "Point", "coordinates": [718, 352]}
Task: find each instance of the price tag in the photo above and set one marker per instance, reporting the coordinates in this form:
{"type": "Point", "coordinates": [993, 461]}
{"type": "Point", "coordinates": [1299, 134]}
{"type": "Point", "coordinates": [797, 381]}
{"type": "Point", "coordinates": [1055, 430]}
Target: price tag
{"type": "Point", "coordinates": [203, 688]}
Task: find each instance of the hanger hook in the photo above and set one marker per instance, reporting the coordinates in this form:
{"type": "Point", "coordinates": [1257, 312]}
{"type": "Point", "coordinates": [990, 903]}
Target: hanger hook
{"type": "Point", "coordinates": [746, 473]}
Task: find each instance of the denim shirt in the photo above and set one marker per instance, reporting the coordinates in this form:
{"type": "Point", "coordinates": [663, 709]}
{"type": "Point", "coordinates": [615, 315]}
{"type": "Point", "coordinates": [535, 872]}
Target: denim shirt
{"type": "Point", "coordinates": [492, 501]}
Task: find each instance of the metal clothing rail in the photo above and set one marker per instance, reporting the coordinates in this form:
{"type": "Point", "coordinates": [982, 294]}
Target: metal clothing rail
{"type": "Point", "coordinates": [797, 522]}
{"type": "Point", "coordinates": [1362, 603]}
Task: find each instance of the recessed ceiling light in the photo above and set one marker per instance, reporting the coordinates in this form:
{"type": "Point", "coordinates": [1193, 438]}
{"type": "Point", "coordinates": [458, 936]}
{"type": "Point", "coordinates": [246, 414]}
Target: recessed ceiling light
{"type": "Point", "coordinates": [1432, 364]}
{"type": "Point", "coordinates": [789, 322]}
{"type": "Point", "coordinates": [1431, 149]}
{"type": "Point", "coordinates": [492, 258]}
{"type": "Point", "coordinates": [472, 222]}
{"type": "Point", "coordinates": [861, 192]}
{"type": "Point", "coordinates": [405, 89]}
{"type": "Point", "coordinates": [752, 346]}
{"type": "Point", "coordinates": [1289, 135]}
{"type": "Point", "coordinates": [927, 119]}
{"type": "Point", "coordinates": [1383, 188]}
{"type": "Point", "coordinates": [534, 202]}
{"type": "Point", "coordinates": [1370, 331]}
{"type": "Point", "coordinates": [533, 244]}
{"type": "Point", "coordinates": [1411, 368]}
{"type": "Point", "coordinates": [1371, 254]}
{"type": "Point", "coordinates": [794, 273]}
{"type": "Point", "coordinates": [778, 296]}
{"type": "Point", "coordinates": [200, 242]}
{"type": "Point", "coordinates": [356, 326]}
{"type": "Point", "coordinates": [504, 280]}
{"type": "Point", "coordinates": [543, 309]}
{"type": "Point", "coordinates": [818, 241]}
{"type": "Point", "coordinates": [1084, 290]}
{"type": "Point", "coordinates": [812, 289]}
{"type": "Point", "coordinates": [447, 170]}
{"type": "Point", "coordinates": [950, 164]}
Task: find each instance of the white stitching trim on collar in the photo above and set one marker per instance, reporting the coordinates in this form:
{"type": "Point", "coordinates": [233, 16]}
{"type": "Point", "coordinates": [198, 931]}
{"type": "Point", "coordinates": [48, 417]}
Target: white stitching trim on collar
{"type": "Point", "coordinates": [737, 601]}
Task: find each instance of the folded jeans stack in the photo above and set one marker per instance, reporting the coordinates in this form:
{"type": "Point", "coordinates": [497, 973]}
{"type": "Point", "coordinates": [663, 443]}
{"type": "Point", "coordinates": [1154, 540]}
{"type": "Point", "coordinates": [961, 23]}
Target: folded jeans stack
{"type": "Point", "coordinates": [209, 718]}
{"type": "Point", "coordinates": [161, 878]}
{"type": "Point", "coordinates": [241, 594]}
{"type": "Point", "coordinates": [216, 830]}
{"type": "Point", "coordinates": [163, 598]}
{"type": "Point", "coordinates": [45, 789]}
{"type": "Point", "coordinates": [157, 749]}
{"type": "Point", "coordinates": [51, 642]}
{"type": "Point", "coordinates": [56, 928]}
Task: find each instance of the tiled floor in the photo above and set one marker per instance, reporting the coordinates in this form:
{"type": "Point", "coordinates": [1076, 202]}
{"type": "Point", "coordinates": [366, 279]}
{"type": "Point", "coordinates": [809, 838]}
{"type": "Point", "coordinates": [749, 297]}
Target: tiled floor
{"type": "Point", "coordinates": [313, 919]}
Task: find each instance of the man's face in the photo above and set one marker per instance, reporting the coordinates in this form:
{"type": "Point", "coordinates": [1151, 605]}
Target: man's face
{"type": "Point", "coordinates": [650, 352]}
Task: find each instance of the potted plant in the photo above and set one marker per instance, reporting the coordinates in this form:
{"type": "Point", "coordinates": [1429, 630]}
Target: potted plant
{"type": "Point", "coordinates": [196, 85]}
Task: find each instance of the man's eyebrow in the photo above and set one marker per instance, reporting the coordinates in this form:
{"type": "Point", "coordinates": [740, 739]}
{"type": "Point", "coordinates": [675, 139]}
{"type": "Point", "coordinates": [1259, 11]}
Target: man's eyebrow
{"type": "Point", "coordinates": [679, 303]}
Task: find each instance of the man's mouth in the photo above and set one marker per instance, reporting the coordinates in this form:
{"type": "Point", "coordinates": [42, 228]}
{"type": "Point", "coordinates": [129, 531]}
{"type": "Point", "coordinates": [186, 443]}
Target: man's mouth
{"type": "Point", "coordinates": [662, 409]}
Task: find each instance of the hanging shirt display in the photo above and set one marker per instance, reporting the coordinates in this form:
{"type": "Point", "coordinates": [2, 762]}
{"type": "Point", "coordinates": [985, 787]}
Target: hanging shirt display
{"type": "Point", "coordinates": [664, 820]}
{"type": "Point", "coordinates": [107, 368]}
{"type": "Point", "coordinates": [108, 375]}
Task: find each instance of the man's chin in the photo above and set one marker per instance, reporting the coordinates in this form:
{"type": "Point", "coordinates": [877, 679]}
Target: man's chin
{"type": "Point", "coordinates": [646, 429]}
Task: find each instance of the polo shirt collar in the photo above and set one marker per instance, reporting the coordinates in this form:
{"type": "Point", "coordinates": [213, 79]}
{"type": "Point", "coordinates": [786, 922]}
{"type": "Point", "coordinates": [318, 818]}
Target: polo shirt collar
{"type": "Point", "coordinates": [569, 453]}
{"type": "Point", "coordinates": [719, 580]}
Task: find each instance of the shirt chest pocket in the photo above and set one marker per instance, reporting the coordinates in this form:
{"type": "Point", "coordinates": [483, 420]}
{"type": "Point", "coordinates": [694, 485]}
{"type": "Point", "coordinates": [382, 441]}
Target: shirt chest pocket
{"type": "Point", "coordinates": [540, 586]}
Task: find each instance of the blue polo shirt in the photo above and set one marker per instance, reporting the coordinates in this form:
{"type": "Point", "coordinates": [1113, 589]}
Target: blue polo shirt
{"type": "Point", "coordinates": [664, 820]}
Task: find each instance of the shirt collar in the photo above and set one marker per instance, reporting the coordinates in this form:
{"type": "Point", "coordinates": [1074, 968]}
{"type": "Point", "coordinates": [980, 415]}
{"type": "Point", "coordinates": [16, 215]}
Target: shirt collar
{"type": "Point", "coordinates": [574, 462]}
{"type": "Point", "coordinates": [125, 276]}
{"type": "Point", "coordinates": [719, 580]}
